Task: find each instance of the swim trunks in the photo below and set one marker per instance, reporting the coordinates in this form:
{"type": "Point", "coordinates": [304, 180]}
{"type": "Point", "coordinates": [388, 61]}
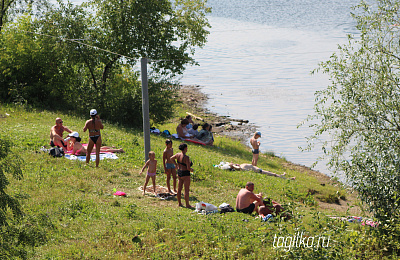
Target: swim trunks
{"type": "Point", "coordinates": [183, 173]}
{"type": "Point", "coordinates": [151, 174]}
{"type": "Point", "coordinates": [170, 166]}
{"type": "Point", "coordinates": [255, 151]}
{"type": "Point", "coordinates": [247, 210]}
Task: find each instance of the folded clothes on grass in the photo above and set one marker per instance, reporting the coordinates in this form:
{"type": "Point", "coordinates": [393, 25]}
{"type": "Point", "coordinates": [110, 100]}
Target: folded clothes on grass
{"type": "Point", "coordinates": [355, 219]}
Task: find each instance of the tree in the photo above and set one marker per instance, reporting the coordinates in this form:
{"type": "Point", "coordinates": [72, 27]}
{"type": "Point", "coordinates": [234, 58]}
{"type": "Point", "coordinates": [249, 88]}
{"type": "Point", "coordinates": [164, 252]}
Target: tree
{"type": "Point", "coordinates": [8, 7]}
{"type": "Point", "coordinates": [361, 108]}
{"type": "Point", "coordinates": [162, 30]}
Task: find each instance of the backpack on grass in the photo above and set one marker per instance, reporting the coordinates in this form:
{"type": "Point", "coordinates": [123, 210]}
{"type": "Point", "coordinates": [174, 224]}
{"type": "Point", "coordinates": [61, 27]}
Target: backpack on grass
{"type": "Point", "coordinates": [56, 152]}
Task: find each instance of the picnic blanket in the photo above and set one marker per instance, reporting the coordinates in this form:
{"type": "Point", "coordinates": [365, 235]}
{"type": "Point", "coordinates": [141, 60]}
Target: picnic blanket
{"type": "Point", "coordinates": [92, 156]}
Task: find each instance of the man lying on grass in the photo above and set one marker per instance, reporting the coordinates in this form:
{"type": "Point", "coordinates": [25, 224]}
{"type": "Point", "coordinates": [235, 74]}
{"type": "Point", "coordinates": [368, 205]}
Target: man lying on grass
{"type": "Point", "coordinates": [248, 167]}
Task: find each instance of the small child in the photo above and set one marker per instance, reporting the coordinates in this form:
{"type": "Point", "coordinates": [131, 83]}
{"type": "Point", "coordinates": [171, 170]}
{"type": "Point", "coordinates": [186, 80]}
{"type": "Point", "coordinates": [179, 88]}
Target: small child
{"type": "Point", "coordinates": [256, 146]}
{"type": "Point", "coordinates": [193, 131]}
{"type": "Point", "coordinates": [151, 171]}
{"type": "Point", "coordinates": [265, 214]}
{"type": "Point", "coordinates": [169, 165]}
{"type": "Point", "coordinates": [271, 209]}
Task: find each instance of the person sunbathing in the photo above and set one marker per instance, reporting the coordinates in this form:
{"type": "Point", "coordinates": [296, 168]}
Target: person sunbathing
{"type": "Point", "coordinates": [74, 145]}
{"type": "Point", "coordinates": [248, 167]}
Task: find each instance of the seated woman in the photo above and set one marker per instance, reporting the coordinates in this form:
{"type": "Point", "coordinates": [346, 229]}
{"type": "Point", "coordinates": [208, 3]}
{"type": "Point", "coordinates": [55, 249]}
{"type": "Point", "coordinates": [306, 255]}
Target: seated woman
{"type": "Point", "coordinates": [205, 135]}
{"type": "Point", "coordinates": [182, 131]}
{"type": "Point", "coordinates": [74, 145]}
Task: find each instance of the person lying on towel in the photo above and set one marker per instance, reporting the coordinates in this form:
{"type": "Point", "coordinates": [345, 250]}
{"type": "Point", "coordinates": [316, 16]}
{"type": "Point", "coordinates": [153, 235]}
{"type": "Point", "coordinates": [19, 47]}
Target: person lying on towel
{"type": "Point", "coordinates": [74, 145]}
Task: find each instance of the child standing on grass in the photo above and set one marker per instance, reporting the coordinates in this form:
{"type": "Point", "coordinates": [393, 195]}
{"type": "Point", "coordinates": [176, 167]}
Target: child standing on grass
{"type": "Point", "coordinates": [256, 147]}
{"type": "Point", "coordinates": [151, 171]}
{"type": "Point", "coordinates": [169, 165]}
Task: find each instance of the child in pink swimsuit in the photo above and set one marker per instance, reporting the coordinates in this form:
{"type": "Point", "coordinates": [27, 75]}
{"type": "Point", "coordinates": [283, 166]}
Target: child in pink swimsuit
{"type": "Point", "coordinates": [151, 171]}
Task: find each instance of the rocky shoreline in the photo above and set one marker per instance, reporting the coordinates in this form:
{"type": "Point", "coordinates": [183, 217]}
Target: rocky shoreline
{"type": "Point", "coordinates": [239, 129]}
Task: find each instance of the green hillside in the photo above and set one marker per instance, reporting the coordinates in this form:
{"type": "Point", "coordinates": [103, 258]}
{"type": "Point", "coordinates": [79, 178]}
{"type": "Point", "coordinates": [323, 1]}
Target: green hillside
{"type": "Point", "coordinates": [70, 211]}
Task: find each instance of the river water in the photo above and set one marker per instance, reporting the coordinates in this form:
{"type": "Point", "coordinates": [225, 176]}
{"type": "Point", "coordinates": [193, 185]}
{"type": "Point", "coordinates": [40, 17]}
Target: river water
{"type": "Point", "coordinates": [256, 65]}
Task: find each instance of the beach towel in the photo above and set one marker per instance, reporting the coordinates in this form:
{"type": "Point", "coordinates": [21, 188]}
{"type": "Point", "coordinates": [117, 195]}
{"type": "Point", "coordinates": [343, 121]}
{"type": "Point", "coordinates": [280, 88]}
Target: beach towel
{"type": "Point", "coordinates": [92, 157]}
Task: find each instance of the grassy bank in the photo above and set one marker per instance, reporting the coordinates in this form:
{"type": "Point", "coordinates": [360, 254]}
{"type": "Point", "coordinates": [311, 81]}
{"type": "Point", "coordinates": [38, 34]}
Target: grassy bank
{"type": "Point", "coordinates": [70, 211]}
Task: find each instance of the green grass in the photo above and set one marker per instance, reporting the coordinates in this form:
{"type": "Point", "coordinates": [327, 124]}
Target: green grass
{"type": "Point", "coordinates": [71, 208]}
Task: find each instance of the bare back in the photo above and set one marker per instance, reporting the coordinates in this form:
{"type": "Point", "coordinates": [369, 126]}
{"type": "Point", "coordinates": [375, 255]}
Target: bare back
{"type": "Point", "coordinates": [245, 198]}
{"type": "Point", "coordinates": [93, 126]}
{"type": "Point", "coordinates": [254, 143]}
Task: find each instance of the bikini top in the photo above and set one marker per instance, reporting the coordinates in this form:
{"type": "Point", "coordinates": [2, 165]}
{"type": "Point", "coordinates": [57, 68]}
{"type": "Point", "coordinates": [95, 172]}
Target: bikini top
{"type": "Point", "coordinates": [184, 164]}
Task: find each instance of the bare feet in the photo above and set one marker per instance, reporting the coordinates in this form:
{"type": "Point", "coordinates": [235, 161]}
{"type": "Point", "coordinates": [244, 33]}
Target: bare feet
{"type": "Point", "coordinates": [189, 207]}
{"type": "Point", "coordinates": [292, 178]}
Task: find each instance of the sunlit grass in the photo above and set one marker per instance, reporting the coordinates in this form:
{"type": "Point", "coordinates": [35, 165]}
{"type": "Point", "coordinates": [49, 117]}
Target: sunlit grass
{"type": "Point", "coordinates": [74, 205]}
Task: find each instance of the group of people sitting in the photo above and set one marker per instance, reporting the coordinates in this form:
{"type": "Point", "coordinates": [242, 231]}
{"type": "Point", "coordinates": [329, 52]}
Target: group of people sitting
{"type": "Point", "coordinates": [187, 129]}
{"type": "Point", "coordinates": [73, 143]}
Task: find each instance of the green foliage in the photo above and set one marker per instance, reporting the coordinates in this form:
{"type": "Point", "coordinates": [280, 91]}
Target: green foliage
{"type": "Point", "coordinates": [71, 59]}
{"type": "Point", "coordinates": [9, 163]}
{"type": "Point", "coordinates": [361, 109]}
{"type": "Point", "coordinates": [16, 230]}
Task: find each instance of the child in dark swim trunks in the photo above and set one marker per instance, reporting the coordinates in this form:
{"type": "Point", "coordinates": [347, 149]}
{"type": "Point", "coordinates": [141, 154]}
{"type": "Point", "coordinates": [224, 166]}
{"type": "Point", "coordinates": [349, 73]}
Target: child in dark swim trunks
{"type": "Point", "coordinates": [151, 171]}
{"type": "Point", "coordinates": [169, 165]}
{"type": "Point", "coordinates": [256, 147]}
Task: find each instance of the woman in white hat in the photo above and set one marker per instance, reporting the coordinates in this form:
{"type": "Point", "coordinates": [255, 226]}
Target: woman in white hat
{"type": "Point", "coordinates": [94, 125]}
{"type": "Point", "coordinates": [77, 148]}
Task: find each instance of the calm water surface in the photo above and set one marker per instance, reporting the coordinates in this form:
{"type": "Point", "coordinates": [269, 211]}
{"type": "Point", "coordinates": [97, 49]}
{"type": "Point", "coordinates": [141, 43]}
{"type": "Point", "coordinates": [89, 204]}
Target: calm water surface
{"type": "Point", "coordinates": [257, 62]}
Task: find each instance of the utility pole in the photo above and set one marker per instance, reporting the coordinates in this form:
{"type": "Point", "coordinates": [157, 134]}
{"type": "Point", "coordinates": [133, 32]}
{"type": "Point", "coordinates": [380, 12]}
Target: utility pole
{"type": "Point", "coordinates": [145, 108]}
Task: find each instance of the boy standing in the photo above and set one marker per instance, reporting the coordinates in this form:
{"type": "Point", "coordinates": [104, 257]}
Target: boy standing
{"type": "Point", "coordinates": [169, 165]}
{"type": "Point", "coordinates": [256, 146]}
{"type": "Point", "coordinates": [151, 171]}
